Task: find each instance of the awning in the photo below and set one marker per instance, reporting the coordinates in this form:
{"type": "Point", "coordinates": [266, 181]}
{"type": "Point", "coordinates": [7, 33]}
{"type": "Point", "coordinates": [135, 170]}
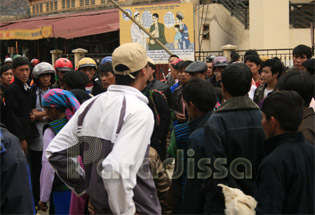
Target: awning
{"type": "Point", "coordinates": [65, 26]}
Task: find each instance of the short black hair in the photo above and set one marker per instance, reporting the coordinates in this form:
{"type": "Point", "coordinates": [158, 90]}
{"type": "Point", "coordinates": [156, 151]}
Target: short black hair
{"type": "Point", "coordinates": [173, 55]}
{"type": "Point", "coordinates": [21, 61]}
{"type": "Point", "coordinates": [124, 79]}
{"type": "Point", "coordinates": [176, 26]}
{"type": "Point", "coordinates": [286, 107]}
{"type": "Point", "coordinates": [234, 56]}
{"type": "Point", "coordinates": [251, 52]}
{"type": "Point", "coordinates": [75, 79]}
{"type": "Point", "coordinates": [300, 81]}
{"type": "Point", "coordinates": [275, 66]}
{"type": "Point", "coordinates": [183, 64]}
{"type": "Point", "coordinates": [301, 50]}
{"type": "Point", "coordinates": [253, 58]}
{"type": "Point", "coordinates": [201, 93]}
{"type": "Point", "coordinates": [153, 66]}
{"type": "Point", "coordinates": [5, 68]}
{"type": "Point", "coordinates": [106, 67]}
{"type": "Point", "coordinates": [237, 79]}
{"type": "Point", "coordinates": [156, 15]}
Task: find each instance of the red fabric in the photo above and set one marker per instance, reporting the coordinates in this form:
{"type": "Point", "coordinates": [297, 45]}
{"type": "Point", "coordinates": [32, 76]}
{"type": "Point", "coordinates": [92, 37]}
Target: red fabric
{"type": "Point", "coordinates": [77, 205]}
{"type": "Point", "coordinates": [71, 25]}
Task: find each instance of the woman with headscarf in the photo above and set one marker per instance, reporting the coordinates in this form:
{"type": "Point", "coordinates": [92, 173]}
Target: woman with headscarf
{"type": "Point", "coordinates": [60, 105]}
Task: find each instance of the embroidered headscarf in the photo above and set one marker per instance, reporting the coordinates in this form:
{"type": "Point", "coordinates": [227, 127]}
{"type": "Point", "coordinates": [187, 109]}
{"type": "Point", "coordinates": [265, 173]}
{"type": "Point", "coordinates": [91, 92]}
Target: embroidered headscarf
{"type": "Point", "coordinates": [61, 98]}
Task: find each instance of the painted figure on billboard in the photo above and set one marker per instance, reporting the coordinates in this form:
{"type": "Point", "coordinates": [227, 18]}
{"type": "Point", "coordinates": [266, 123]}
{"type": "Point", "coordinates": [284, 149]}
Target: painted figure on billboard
{"type": "Point", "coordinates": [184, 40]}
{"type": "Point", "coordinates": [137, 34]}
{"type": "Point", "coordinates": [157, 30]}
{"type": "Point", "coordinates": [177, 37]}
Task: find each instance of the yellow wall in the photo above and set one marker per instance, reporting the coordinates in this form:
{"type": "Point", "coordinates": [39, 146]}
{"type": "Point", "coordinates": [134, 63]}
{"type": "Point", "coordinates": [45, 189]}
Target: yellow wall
{"type": "Point", "coordinates": [269, 24]}
{"type": "Point", "coordinates": [300, 36]}
{"type": "Point", "coordinates": [269, 27]}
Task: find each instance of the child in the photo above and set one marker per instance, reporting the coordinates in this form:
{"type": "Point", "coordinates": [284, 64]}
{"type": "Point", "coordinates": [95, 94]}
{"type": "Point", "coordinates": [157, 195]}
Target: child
{"type": "Point", "coordinates": [60, 106]}
{"type": "Point", "coordinates": [177, 37]}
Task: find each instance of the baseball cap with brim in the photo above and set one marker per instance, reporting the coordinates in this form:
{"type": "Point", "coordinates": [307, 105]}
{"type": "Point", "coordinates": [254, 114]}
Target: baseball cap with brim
{"type": "Point", "coordinates": [131, 55]}
{"type": "Point", "coordinates": [151, 61]}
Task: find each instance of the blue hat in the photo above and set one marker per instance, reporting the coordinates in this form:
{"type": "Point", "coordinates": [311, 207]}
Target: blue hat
{"type": "Point", "coordinates": [106, 59]}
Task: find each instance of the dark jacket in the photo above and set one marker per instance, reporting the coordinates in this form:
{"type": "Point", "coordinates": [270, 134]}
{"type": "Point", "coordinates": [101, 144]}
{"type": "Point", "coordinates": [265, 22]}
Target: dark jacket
{"type": "Point", "coordinates": [97, 88]}
{"type": "Point", "coordinates": [16, 194]}
{"type": "Point", "coordinates": [164, 88]}
{"type": "Point", "coordinates": [285, 181]}
{"type": "Point", "coordinates": [162, 118]}
{"type": "Point", "coordinates": [235, 145]}
{"type": "Point", "coordinates": [3, 116]}
{"type": "Point", "coordinates": [259, 94]}
{"type": "Point", "coordinates": [194, 196]}
{"type": "Point", "coordinates": [18, 108]}
{"type": "Point", "coordinates": [179, 101]}
{"type": "Point", "coordinates": [307, 125]}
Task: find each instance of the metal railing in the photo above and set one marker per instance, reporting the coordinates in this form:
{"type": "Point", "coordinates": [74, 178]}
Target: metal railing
{"type": "Point", "coordinates": [285, 55]}
{"type": "Point", "coordinates": [201, 55]}
{"type": "Point", "coordinates": [302, 14]}
{"type": "Point", "coordinates": [238, 9]}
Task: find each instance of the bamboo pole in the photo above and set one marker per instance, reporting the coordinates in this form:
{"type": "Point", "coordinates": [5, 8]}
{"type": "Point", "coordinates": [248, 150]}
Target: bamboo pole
{"type": "Point", "coordinates": [140, 26]}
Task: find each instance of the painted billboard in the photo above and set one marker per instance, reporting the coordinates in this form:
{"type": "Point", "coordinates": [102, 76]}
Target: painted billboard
{"type": "Point", "coordinates": [172, 24]}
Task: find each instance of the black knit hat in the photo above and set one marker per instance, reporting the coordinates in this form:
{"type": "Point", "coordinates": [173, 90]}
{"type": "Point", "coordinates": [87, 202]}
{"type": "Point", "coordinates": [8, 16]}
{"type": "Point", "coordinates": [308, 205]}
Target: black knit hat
{"type": "Point", "coordinates": [309, 65]}
{"type": "Point", "coordinates": [75, 79]}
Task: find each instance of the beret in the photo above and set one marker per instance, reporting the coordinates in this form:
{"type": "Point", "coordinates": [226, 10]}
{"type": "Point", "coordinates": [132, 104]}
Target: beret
{"type": "Point", "coordinates": [75, 79]}
{"type": "Point", "coordinates": [197, 66]}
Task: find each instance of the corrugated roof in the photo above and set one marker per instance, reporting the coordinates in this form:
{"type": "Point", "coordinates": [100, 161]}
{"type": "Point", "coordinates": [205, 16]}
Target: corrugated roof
{"type": "Point", "coordinates": [69, 26]}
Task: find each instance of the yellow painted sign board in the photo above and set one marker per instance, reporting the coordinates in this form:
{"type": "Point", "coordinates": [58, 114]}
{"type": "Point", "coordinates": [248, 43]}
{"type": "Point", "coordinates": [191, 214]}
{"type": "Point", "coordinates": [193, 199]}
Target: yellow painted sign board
{"type": "Point", "coordinates": [27, 34]}
{"type": "Point", "coordinates": [172, 24]}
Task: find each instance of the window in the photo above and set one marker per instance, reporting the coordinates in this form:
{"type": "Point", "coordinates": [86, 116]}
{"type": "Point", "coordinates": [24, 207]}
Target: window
{"type": "Point", "coordinates": [37, 8]}
{"type": "Point", "coordinates": [63, 4]}
{"type": "Point", "coordinates": [87, 2]}
{"type": "Point", "coordinates": [92, 2]}
{"type": "Point", "coordinates": [47, 7]}
{"type": "Point", "coordinates": [72, 3]}
{"type": "Point", "coordinates": [56, 5]}
{"type": "Point", "coordinates": [41, 8]}
{"type": "Point", "coordinates": [81, 3]}
{"type": "Point", "coordinates": [34, 9]}
{"type": "Point", "coordinates": [205, 32]}
{"type": "Point", "coordinates": [68, 3]}
{"type": "Point", "coordinates": [51, 6]}
{"type": "Point", "coordinates": [102, 1]}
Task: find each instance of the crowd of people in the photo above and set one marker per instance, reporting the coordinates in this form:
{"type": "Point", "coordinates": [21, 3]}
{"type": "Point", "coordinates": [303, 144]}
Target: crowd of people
{"type": "Point", "coordinates": [102, 139]}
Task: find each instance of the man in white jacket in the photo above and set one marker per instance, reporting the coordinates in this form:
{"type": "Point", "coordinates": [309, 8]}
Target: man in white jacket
{"type": "Point", "coordinates": [112, 134]}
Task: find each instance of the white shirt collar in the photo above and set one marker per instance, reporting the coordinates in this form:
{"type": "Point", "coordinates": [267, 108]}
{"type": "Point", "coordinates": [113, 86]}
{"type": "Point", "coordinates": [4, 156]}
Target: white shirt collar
{"type": "Point", "coordinates": [128, 90]}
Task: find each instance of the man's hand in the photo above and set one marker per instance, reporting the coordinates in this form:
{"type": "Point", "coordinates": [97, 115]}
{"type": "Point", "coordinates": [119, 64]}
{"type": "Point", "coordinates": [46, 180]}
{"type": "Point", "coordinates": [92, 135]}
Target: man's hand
{"type": "Point", "coordinates": [91, 208]}
{"type": "Point", "coordinates": [180, 117]}
{"type": "Point", "coordinates": [218, 76]}
{"type": "Point", "coordinates": [42, 206]}
{"type": "Point", "coordinates": [24, 146]}
{"type": "Point", "coordinates": [37, 115]}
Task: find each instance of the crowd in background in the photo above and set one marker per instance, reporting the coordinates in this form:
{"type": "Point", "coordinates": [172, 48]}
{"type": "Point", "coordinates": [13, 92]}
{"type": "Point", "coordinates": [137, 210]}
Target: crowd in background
{"type": "Point", "coordinates": [246, 125]}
